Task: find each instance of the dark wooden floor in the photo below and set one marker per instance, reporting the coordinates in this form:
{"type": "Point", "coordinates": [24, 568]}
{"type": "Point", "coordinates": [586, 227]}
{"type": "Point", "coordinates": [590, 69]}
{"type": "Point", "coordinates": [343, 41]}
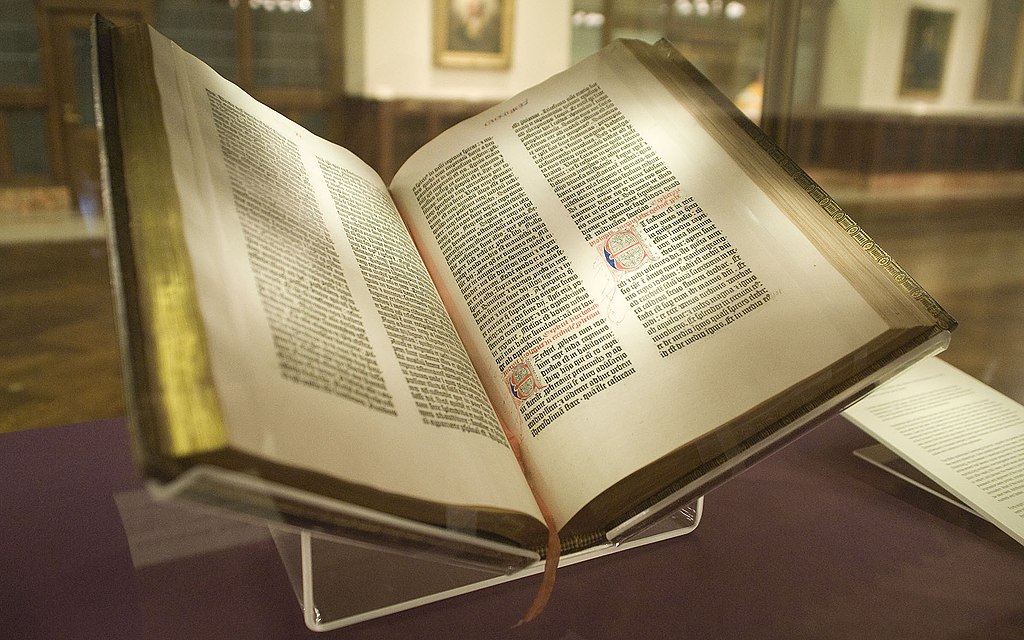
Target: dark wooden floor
{"type": "Point", "coordinates": [58, 352]}
{"type": "Point", "coordinates": [59, 360]}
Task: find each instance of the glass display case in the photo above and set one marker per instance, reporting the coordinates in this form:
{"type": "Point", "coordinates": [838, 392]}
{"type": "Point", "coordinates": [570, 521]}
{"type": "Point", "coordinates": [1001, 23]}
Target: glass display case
{"type": "Point", "coordinates": [910, 114]}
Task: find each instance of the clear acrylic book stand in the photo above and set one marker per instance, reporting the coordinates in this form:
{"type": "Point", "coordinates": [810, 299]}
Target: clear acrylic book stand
{"type": "Point", "coordinates": [413, 564]}
{"type": "Point", "coordinates": [329, 574]}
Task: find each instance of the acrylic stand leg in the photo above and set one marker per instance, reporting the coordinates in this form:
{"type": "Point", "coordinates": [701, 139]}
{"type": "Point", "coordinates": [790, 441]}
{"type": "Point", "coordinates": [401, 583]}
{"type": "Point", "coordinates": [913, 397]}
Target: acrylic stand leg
{"type": "Point", "coordinates": [341, 582]}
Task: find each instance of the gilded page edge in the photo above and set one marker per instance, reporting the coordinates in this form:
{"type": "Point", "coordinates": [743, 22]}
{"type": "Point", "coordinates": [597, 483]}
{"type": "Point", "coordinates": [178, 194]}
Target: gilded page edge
{"type": "Point", "coordinates": [182, 398]}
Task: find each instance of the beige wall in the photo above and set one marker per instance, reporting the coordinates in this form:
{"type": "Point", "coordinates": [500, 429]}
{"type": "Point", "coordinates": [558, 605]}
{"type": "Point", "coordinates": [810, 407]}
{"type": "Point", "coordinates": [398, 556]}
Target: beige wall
{"type": "Point", "coordinates": [391, 55]}
{"type": "Point", "coordinates": [866, 40]}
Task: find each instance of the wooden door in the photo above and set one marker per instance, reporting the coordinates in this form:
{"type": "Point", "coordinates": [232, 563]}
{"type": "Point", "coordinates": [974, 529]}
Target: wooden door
{"type": "Point", "coordinates": [71, 99]}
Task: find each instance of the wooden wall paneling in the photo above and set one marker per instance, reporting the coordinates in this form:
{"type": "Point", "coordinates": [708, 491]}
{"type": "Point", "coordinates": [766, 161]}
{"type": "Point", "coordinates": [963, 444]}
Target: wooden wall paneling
{"type": "Point", "coordinates": [6, 161]}
{"type": "Point", "coordinates": [29, 98]}
{"type": "Point", "coordinates": [974, 134]}
{"type": "Point", "coordinates": [945, 149]}
{"type": "Point", "coordinates": [852, 142]}
{"type": "Point", "coordinates": [244, 46]}
{"type": "Point", "coordinates": [806, 141]}
{"type": "Point", "coordinates": [1004, 146]}
{"type": "Point", "coordinates": [408, 129]}
{"type": "Point", "coordinates": [884, 138]}
{"type": "Point", "coordinates": [1015, 141]}
{"type": "Point", "coordinates": [865, 143]}
{"type": "Point", "coordinates": [358, 129]}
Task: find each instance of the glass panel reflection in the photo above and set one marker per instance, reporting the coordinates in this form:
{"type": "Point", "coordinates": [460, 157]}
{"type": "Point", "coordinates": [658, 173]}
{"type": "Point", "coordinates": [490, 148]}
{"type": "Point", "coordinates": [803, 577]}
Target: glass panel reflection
{"type": "Point", "coordinates": [725, 39]}
{"type": "Point", "coordinates": [81, 44]}
{"type": "Point", "coordinates": [30, 153]}
{"type": "Point", "coordinates": [1002, 51]}
{"type": "Point", "coordinates": [288, 44]}
{"type": "Point", "coordinates": [205, 29]}
{"type": "Point", "coordinates": [19, 44]}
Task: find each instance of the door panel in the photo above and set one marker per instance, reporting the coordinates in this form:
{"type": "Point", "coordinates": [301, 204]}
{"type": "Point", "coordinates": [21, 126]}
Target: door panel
{"type": "Point", "coordinates": [71, 101]}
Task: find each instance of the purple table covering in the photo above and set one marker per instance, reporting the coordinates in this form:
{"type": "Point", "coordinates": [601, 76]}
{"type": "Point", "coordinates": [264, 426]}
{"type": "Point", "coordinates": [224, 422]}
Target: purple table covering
{"type": "Point", "coordinates": [811, 543]}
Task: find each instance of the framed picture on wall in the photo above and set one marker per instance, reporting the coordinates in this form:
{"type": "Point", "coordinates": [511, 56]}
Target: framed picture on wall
{"type": "Point", "coordinates": [473, 33]}
{"type": "Point", "coordinates": [927, 46]}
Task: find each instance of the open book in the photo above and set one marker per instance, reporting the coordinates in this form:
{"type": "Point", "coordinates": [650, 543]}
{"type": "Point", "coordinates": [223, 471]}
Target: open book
{"type": "Point", "coordinates": [613, 271]}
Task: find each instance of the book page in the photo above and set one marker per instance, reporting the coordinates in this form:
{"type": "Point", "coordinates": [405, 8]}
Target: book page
{"type": "Point", "coordinates": [622, 286]}
{"type": "Point", "coordinates": [961, 433]}
{"type": "Point", "coordinates": [330, 348]}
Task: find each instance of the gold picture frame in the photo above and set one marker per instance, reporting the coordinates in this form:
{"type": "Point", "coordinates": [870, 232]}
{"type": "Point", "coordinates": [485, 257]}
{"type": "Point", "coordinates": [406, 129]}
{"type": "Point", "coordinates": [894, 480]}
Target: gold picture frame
{"type": "Point", "coordinates": [474, 34]}
{"type": "Point", "coordinates": [925, 53]}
